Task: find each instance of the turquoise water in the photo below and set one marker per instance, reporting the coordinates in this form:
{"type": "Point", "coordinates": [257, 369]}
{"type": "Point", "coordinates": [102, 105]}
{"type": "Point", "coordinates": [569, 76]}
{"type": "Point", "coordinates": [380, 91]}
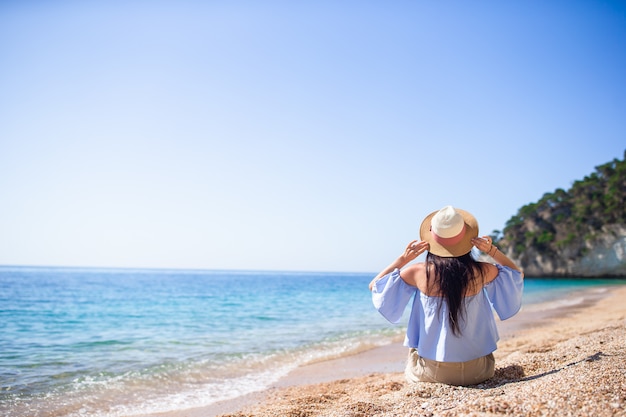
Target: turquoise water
{"type": "Point", "coordinates": [105, 342]}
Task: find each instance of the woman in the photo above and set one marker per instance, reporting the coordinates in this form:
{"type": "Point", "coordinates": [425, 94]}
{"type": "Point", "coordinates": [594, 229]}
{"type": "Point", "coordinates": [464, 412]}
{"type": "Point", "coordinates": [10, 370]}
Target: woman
{"type": "Point", "coordinates": [451, 331]}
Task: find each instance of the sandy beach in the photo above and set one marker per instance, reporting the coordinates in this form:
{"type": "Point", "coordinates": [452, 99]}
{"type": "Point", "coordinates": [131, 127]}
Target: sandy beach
{"type": "Point", "coordinates": [559, 359]}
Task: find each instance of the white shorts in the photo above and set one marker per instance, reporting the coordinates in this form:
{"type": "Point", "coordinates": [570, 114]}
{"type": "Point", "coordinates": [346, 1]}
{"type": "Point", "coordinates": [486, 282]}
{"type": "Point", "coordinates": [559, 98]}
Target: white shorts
{"type": "Point", "coordinates": [453, 373]}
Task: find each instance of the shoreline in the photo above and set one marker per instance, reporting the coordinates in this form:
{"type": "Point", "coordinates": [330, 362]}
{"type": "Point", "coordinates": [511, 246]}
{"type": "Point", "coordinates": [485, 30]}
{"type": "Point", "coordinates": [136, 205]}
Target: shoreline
{"type": "Point", "coordinates": [386, 363]}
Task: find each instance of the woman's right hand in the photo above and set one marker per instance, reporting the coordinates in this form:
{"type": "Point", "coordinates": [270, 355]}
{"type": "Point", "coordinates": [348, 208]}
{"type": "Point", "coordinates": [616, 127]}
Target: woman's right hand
{"type": "Point", "coordinates": [484, 244]}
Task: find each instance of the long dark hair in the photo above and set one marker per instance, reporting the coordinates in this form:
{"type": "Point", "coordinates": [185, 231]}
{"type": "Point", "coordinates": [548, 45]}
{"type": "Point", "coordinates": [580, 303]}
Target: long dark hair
{"type": "Point", "coordinates": [452, 278]}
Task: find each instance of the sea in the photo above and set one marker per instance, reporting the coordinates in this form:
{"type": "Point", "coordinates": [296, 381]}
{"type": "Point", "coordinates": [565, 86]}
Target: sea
{"type": "Point", "coordinates": [130, 342]}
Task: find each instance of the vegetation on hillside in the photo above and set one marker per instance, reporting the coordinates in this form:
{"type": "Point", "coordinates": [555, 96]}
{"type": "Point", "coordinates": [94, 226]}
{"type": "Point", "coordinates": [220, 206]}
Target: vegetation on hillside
{"type": "Point", "coordinates": [563, 220]}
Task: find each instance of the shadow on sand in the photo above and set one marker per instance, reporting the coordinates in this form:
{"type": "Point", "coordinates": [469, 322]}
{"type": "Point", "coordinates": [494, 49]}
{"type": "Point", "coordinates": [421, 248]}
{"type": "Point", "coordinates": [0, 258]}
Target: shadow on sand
{"type": "Point", "coordinates": [515, 373]}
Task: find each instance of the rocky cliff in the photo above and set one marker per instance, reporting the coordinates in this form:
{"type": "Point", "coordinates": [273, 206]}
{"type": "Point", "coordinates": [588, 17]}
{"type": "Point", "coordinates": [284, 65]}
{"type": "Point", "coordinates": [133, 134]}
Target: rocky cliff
{"type": "Point", "coordinates": [604, 256]}
{"type": "Point", "coordinates": [580, 232]}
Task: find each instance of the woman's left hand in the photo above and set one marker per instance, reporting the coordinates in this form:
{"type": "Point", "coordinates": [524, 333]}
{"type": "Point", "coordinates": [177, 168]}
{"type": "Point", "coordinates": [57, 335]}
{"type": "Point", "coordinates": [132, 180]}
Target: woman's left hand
{"type": "Point", "coordinates": [412, 251]}
{"type": "Point", "coordinates": [415, 249]}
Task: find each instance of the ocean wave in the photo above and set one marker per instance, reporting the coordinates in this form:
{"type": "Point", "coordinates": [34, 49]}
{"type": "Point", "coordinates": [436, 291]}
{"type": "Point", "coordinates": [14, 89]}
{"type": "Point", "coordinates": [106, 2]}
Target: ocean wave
{"type": "Point", "coordinates": [180, 386]}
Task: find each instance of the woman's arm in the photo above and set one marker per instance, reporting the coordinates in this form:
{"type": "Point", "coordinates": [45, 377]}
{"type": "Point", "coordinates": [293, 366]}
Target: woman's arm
{"type": "Point", "coordinates": [485, 245]}
{"type": "Point", "coordinates": [412, 251]}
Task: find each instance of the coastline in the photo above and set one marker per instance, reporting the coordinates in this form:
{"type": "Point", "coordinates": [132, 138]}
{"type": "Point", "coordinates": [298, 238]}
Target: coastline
{"type": "Point", "coordinates": [542, 345]}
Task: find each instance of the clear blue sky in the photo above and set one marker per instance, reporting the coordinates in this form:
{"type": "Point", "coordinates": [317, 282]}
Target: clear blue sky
{"type": "Point", "coordinates": [291, 135]}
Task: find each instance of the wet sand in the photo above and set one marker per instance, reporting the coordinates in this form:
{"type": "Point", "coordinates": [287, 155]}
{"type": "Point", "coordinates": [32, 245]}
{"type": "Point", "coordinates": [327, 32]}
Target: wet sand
{"type": "Point", "coordinates": [557, 359]}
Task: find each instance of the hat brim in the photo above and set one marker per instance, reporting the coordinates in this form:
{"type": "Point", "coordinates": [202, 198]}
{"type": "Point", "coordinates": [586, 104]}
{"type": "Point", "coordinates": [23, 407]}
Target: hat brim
{"type": "Point", "coordinates": [458, 249]}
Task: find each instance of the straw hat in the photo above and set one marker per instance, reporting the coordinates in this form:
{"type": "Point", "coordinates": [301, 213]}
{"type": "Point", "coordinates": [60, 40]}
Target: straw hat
{"type": "Point", "coordinates": [449, 231]}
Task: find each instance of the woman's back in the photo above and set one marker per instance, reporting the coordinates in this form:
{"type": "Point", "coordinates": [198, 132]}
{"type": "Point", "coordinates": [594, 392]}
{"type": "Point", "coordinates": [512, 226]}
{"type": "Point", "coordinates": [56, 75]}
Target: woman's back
{"type": "Point", "coordinates": [450, 279]}
{"type": "Point", "coordinates": [429, 329]}
{"type": "Point", "coordinates": [416, 275]}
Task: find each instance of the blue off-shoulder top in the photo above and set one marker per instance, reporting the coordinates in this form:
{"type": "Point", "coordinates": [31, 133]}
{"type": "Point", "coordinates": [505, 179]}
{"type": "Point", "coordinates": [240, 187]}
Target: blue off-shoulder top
{"type": "Point", "coordinates": [428, 329]}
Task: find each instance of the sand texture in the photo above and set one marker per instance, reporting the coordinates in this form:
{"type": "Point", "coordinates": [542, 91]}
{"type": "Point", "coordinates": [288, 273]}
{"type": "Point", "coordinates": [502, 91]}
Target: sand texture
{"type": "Point", "coordinates": [567, 364]}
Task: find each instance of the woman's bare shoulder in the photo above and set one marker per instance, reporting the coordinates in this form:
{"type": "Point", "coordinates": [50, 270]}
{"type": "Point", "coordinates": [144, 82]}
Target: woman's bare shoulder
{"type": "Point", "coordinates": [415, 275]}
{"type": "Point", "coordinates": [490, 271]}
